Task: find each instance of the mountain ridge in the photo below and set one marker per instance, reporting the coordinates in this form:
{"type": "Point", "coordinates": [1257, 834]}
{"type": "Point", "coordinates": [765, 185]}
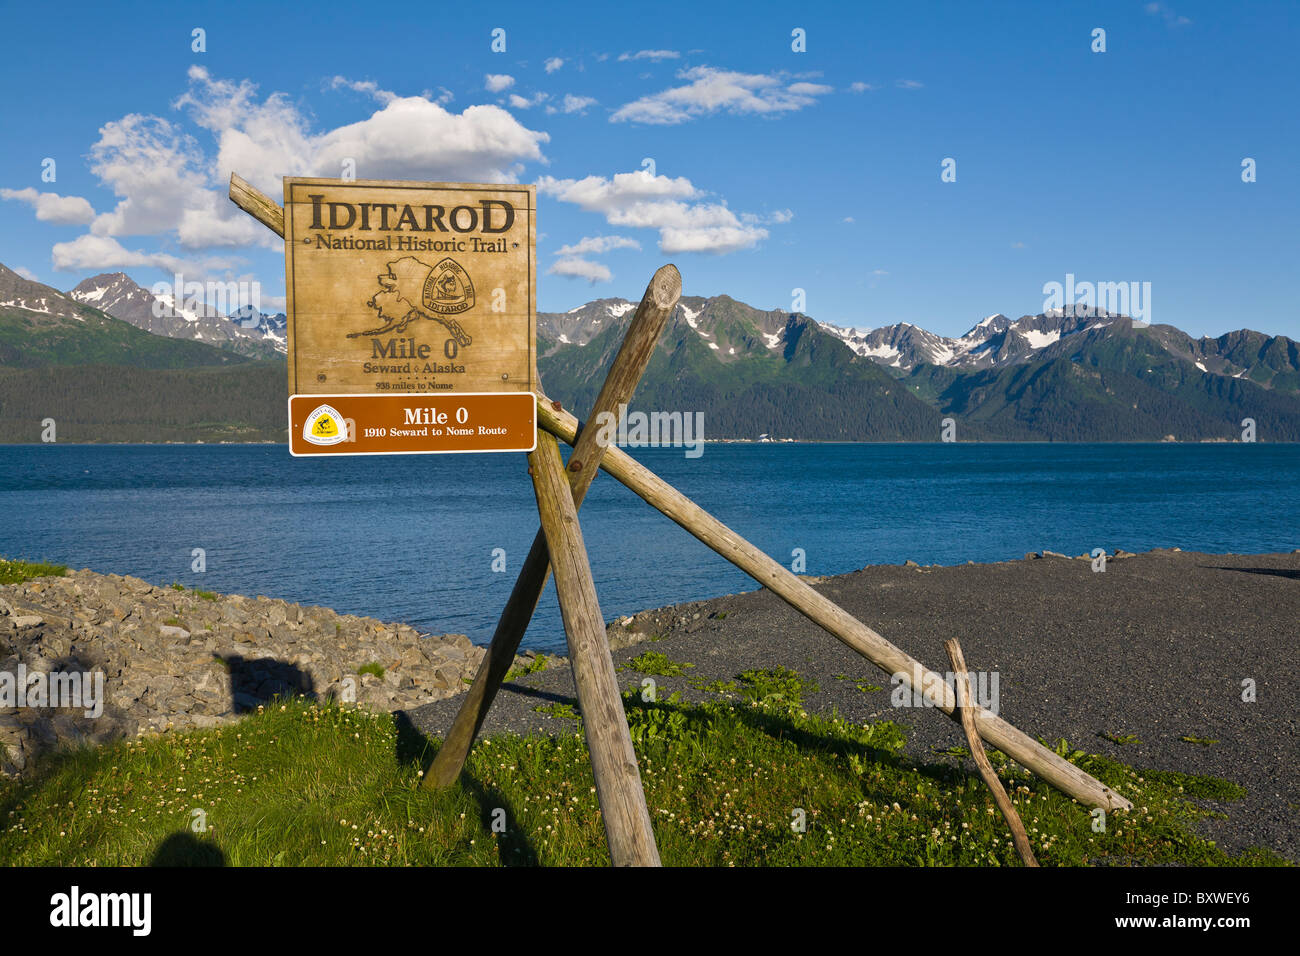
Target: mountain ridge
{"type": "Point", "coordinates": [1059, 375]}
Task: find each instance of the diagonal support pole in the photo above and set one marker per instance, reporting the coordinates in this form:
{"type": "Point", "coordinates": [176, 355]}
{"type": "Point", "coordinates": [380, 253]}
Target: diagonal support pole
{"type": "Point", "coordinates": [840, 623]}
{"type": "Point", "coordinates": [656, 306]}
{"type": "Point", "coordinates": [613, 761]}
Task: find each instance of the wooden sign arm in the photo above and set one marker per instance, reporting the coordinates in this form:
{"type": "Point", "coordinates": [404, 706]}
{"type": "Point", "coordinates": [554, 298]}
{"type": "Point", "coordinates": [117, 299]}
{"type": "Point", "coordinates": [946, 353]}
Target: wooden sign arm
{"type": "Point", "coordinates": [638, 346]}
{"type": "Point", "coordinates": [822, 611]}
{"type": "Point", "coordinates": [613, 761]}
{"type": "Point", "coordinates": [257, 204]}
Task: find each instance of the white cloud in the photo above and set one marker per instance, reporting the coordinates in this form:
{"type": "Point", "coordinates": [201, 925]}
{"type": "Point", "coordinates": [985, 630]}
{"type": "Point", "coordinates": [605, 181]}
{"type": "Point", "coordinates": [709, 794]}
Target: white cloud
{"type": "Point", "coordinates": [162, 179]}
{"type": "Point", "coordinates": [576, 104]}
{"type": "Point", "coordinates": [849, 219]}
{"type": "Point", "coordinates": [639, 200]}
{"type": "Point", "coordinates": [575, 268]}
{"type": "Point", "coordinates": [411, 137]}
{"type": "Point", "coordinates": [909, 84]}
{"type": "Point", "coordinates": [528, 102]}
{"type": "Point", "coordinates": [1163, 10]}
{"type": "Point", "coordinates": [51, 207]}
{"type": "Point", "coordinates": [496, 82]}
{"type": "Point", "coordinates": [553, 64]}
{"type": "Point", "coordinates": [104, 252]}
{"type": "Point", "coordinates": [368, 87]}
{"type": "Point", "coordinates": [167, 184]}
{"type": "Point", "coordinates": [594, 245]}
{"type": "Point", "coordinates": [26, 273]}
{"type": "Point", "coordinates": [860, 87]}
{"type": "Point", "coordinates": [655, 55]}
{"type": "Point", "coordinates": [711, 90]}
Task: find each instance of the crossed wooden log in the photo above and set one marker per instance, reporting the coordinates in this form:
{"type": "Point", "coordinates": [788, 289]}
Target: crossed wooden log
{"type": "Point", "coordinates": [559, 546]}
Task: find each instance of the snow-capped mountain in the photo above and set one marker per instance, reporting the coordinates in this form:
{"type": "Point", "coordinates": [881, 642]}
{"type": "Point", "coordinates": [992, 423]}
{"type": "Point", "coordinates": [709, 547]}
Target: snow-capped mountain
{"type": "Point", "coordinates": [993, 342]}
{"type": "Point", "coordinates": [727, 327]}
{"type": "Point", "coordinates": [19, 293]}
{"type": "Point", "coordinates": [121, 297]}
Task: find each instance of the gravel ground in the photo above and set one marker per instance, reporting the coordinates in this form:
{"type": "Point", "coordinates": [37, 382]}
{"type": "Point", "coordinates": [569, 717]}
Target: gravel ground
{"type": "Point", "coordinates": [1157, 647]}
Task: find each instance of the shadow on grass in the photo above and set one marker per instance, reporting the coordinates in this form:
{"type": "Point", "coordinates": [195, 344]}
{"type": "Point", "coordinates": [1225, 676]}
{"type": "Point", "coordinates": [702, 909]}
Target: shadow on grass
{"type": "Point", "coordinates": [513, 846]}
{"type": "Point", "coordinates": [781, 727]}
{"type": "Point", "coordinates": [185, 849]}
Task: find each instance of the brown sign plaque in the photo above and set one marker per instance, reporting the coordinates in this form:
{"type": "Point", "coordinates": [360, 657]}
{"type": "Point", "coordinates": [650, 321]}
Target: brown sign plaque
{"type": "Point", "coordinates": [411, 424]}
{"type": "Point", "coordinates": [405, 289]}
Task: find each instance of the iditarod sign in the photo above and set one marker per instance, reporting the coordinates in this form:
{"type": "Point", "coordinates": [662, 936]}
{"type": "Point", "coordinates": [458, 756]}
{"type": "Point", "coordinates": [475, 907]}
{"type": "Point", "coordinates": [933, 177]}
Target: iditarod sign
{"type": "Point", "coordinates": [411, 316]}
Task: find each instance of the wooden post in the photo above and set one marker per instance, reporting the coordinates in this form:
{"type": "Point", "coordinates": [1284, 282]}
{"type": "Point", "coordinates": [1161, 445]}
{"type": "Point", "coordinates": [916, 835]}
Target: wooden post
{"type": "Point", "coordinates": [613, 761]}
{"type": "Point", "coordinates": [1018, 835]}
{"type": "Point", "coordinates": [638, 346]}
{"type": "Point", "coordinates": [822, 611]}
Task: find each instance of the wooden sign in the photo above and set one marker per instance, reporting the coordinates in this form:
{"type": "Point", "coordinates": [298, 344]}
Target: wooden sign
{"type": "Point", "coordinates": [405, 289]}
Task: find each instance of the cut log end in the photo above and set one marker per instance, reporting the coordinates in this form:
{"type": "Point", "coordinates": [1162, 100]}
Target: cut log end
{"type": "Point", "coordinates": [666, 286]}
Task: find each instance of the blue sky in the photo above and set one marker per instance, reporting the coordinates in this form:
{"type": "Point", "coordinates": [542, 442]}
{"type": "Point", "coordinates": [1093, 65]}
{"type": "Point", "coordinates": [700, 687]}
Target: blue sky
{"type": "Point", "coordinates": [773, 170]}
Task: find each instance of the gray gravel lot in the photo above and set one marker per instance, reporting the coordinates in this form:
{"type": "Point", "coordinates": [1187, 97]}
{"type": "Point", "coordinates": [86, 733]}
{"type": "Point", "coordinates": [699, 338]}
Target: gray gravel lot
{"type": "Point", "coordinates": [1157, 647]}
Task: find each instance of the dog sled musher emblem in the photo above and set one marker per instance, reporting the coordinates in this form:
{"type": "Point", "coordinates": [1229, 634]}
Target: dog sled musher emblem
{"type": "Point", "coordinates": [412, 290]}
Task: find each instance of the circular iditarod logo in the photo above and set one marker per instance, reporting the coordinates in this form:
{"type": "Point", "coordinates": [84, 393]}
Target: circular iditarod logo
{"type": "Point", "coordinates": [448, 289]}
{"type": "Point", "coordinates": [325, 426]}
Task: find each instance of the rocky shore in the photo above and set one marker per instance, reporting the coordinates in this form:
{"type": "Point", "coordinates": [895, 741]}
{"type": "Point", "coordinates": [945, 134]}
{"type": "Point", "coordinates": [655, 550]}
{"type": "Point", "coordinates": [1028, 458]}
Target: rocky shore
{"type": "Point", "coordinates": [176, 659]}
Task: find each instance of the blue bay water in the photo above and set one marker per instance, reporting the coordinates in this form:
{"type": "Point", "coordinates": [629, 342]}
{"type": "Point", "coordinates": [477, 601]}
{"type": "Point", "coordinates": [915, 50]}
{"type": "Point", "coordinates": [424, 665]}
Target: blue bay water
{"type": "Point", "coordinates": [411, 538]}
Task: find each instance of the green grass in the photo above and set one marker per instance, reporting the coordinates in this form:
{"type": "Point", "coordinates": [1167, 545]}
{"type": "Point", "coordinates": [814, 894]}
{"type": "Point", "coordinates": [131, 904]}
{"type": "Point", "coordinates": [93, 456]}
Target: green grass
{"type": "Point", "coordinates": [565, 711]}
{"type": "Point", "coordinates": [299, 784]}
{"type": "Point", "coordinates": [205, 595]}
{"type": "Point", "coordinates": [374, 667]}
{"type": "Point", "coordinates": [538, 663]}
{"type": "Point", "coordinates": [661, 665]}
{"type": "Point", "coordinates": [1203, 741]}
{"type": "Point", "coordinates": [16, 572]}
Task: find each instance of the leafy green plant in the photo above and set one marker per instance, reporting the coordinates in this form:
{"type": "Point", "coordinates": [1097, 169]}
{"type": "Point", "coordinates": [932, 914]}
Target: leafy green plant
{"type": "Point", "coordinates": [373, 667]}
{"type": "Point", "coordinates": [649, 722]}
{"type": "Point", "coordinates": [653, 662]}
{"type": "Point", "coordinates": [775, 686]}
{"type": "Point", "coordinates": [1121, 739]}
